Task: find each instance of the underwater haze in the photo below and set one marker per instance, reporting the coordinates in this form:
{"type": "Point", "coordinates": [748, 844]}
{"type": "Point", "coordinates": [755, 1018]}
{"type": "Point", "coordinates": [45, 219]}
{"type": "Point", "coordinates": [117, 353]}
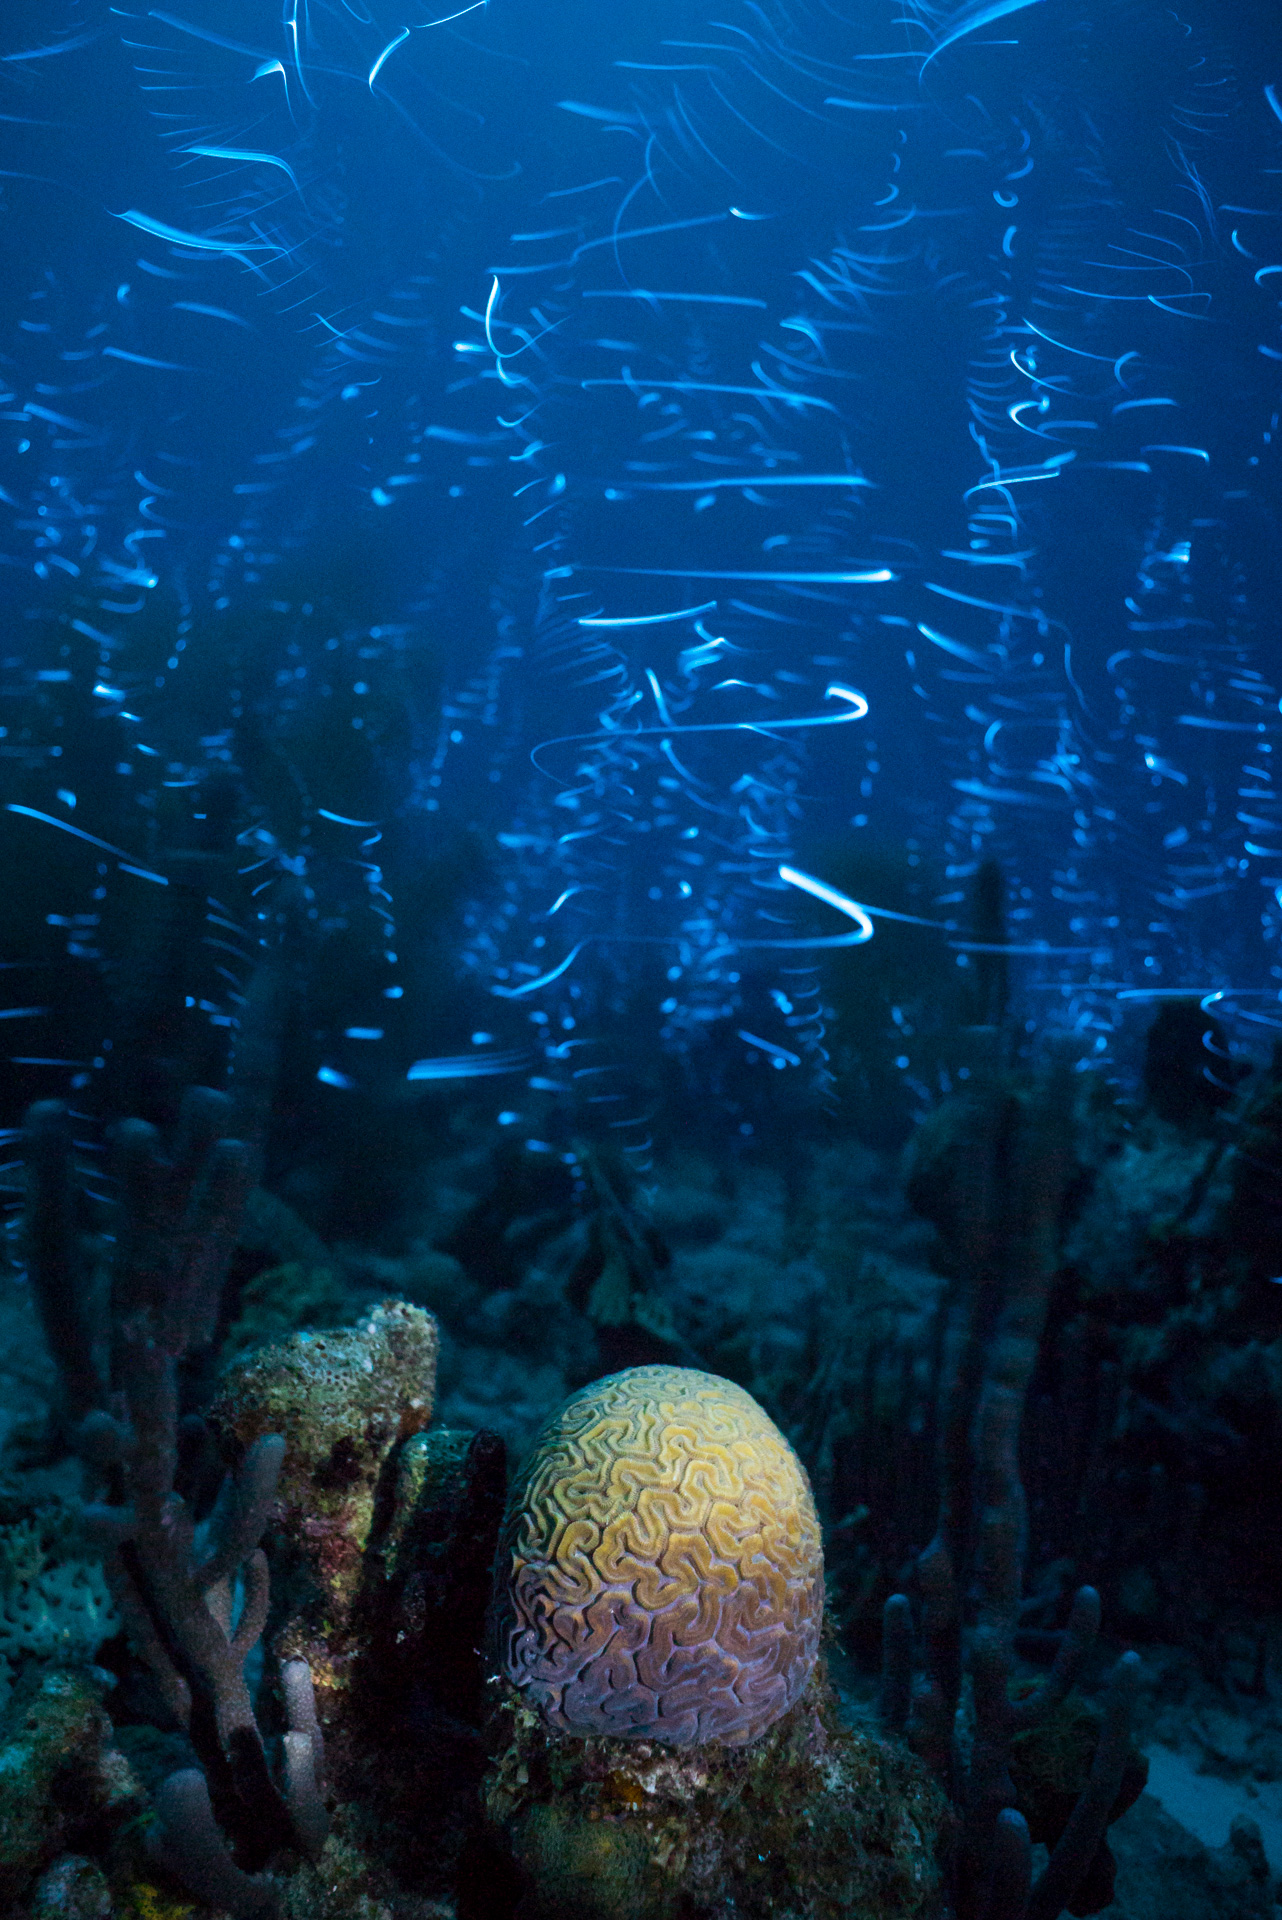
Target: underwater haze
{"type": "Point", "coordinates": [641, 980]}
{"type": "Point", "coordinates": [700, 489]}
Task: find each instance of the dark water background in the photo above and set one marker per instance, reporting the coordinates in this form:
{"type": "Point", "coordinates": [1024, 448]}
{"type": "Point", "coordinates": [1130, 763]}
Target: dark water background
{"type": "Point", "coordinates": [387, 400]}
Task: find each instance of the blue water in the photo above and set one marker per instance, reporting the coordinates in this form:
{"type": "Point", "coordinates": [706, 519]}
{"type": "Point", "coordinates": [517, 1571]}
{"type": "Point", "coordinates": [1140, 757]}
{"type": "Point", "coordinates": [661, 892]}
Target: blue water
{"type": "Point", "coordinates": [631, 497]}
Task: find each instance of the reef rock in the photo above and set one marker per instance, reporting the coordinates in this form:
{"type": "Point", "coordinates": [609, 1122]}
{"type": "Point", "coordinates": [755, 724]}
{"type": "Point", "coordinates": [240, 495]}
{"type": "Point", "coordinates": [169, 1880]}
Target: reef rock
{"type": "Point", "coordinates": [343, 1402]}
{"type": "Point", "coordinates": [813, 1821]}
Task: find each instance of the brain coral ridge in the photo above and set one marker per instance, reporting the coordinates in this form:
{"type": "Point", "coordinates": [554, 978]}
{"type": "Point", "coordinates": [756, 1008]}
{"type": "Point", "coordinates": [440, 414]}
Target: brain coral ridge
{"type": "Point", "coordinates": [661, 1568]}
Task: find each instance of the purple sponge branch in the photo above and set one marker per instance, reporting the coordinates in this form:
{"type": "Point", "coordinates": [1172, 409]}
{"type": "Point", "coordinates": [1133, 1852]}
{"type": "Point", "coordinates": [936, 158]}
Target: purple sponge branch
{"type": "Point", "coordinates": [179, 1217]}
{"type": "Point", "coordinates": [300, 1710]}
{"type": "Point", "coordinates": [895, 1699]}
{"type": "Point", "coordinates": [1010, 1868]}
{"type": "Point", "coordinates": [186, 1842]}
{"type": "Point", "coordinates": [1078, 1844]}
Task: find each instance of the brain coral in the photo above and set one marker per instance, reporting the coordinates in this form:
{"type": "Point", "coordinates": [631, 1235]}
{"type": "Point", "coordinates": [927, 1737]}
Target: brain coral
{"type": "Point", "coordinates": [661, 1567]}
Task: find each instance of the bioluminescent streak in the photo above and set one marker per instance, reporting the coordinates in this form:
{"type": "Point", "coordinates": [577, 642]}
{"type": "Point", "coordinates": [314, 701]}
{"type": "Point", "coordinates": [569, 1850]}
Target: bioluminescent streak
{"type": "Point", "coordinates": [390, 48]}
{"type": "Point", "coordinates": [291, 22]}
{"type": "Point", "coordinates": [955, 647]}
{"type": "Point", "coordinates": [1203, 995]}
{"type": "Point", "coordinates": [1011, 795]}
{"type": "Point", "coordinates": [213, 313]}
{"type": "Point", "coordinates": [543, 980]}
{"type": "Point", "coordinates": [1212, 994]}
{"type": "Point", "coordinates": [856, 708]}
{"type": "Point", "coordinates": [793, 875]}
{"type": "Point", "coordinates": [470, 1066]}
{"type": "Point", "coordinates": [47, 53]}
{"type": "Point", "coordinates": [647, 619]}
{"type": "Point", "coordinates": [145, 360]}
{"type": "Point", "coordinates": [568, 894]}
{"type": "Point", "coordinates": [176, 236]}
{"type": "Point", "coordinates": [78, 833]}
{"type": "Point", "coordinates": [873, 577]}
{"type": "Point", "coordinates": [659, 701]}
{"type": "Point", "coordinates": [264, 72]}
{"type": "Point", "coordinates": [643, 233]}
{"type": "Point", "coordinates": [752, 480]}
{"type": "Point", "coordinates": [819, 890]}
{"type": "Point", "coordinates": [342, 820]}
{"type": "Point", "coordinates": [994, 606]}
{"type": "Point", "coordinates": [22, 1013]}
{"type": "Point", "coordinates": [203, 33]}
{"type": "Point", "coordinates": [249, 155]}
{"type": "Point", "coordinates": [511, 380]}
{"type": "Point", "coordinates": [878, 106]}
{"type": "Point", "coordinates": [417, 27]}
{"type": "Point", "coordinates": [692, 659]}
{"type": "Point", "coordinates": [780, 1055]}
{"type": "Point", "coordinates": [689, 299]}
{"type": "Point", "coordinates": [711, 386]}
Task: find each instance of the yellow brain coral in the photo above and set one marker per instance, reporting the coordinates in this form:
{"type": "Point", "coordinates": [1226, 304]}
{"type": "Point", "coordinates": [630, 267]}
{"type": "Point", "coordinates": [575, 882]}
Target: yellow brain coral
{"type": "Point", "coordinates": [661, 1567]}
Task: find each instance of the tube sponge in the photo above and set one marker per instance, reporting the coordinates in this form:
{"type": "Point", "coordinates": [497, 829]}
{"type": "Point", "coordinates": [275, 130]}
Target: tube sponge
{"type": "Point", "coordinates": [660, 1572]}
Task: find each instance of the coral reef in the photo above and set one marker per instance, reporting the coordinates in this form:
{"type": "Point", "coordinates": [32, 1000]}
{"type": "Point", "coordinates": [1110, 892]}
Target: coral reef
{"type": "Point", "coordinates": [62, 1782]}
{"type": "Point", "coordinates": [661, 1568]}
{"type": "Point", "coordinates": [900, 1359]}
{"type": "Point", "coordinates": [814, 1820]}
{"type": "Point", "coordinates": [55, 1602]}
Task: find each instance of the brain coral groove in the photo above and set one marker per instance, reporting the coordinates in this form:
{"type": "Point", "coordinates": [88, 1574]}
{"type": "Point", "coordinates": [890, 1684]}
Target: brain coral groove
{"type": "Point", "coordinates": [661, 1568]}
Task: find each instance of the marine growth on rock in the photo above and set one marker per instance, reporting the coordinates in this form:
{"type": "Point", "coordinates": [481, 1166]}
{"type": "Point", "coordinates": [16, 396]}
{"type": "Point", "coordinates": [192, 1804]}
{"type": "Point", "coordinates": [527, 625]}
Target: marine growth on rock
{"type": "Point", "coordinates": [661, 1565]}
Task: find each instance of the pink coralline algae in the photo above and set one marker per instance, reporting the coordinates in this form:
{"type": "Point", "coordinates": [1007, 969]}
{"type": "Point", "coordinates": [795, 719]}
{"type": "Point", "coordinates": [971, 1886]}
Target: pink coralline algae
{"type": "Point", "coordinates": [661, 1567]}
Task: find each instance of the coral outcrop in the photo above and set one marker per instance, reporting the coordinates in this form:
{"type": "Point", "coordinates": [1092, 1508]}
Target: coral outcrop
{"type": "Point", "coordinates": [341, 1401]}
{"type": "Point", "coordinates": [660, 1575]}
{"type": "Point", "coordinates": [382, 1542]}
